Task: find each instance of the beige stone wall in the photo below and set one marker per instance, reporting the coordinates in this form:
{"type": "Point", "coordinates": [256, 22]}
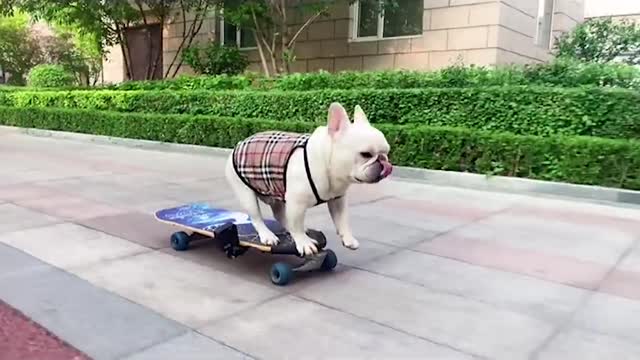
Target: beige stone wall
{"type": "Point", "coordinates": [173, 35]}
{"type": "Point", "coordinates": [567, 14]}
{"type": "Point", "coordinates": [481, 32]}
{"type": "Point", "coordinates": [113, 69]}
{"type": "Point", "coordinates": [453, 31]}
{"type": "Point", "coordinates": [515, 33]}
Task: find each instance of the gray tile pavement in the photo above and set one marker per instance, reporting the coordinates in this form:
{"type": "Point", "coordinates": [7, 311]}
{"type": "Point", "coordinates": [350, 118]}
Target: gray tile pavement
{"type": "Point", "coordinates": [455, 321]}
{"type": "Point", "coordinates": [190, 346]}
{"type": "Point", "coordinates": [97, 322]}
{"type": "Point", "coordinates": [88, 261]}
{"type": "Point", "coordinates": [542, 299]}
{"type": "Point", "coordinates": [297, 329]}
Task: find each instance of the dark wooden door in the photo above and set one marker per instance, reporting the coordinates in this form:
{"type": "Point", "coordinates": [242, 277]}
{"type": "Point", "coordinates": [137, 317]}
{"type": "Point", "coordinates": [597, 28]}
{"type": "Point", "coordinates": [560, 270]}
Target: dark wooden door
{"type": "Point", "coordinates": [145, 51]}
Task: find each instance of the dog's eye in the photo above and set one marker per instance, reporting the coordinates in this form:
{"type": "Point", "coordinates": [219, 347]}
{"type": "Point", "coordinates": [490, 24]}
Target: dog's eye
{"type": "Point", "coordinates": [366, 155]}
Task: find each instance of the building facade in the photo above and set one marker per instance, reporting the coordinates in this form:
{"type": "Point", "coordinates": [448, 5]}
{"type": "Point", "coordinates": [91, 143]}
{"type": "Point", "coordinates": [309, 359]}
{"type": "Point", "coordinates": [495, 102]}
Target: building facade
{"type": "Point", "coordinates": [418, 35]}
{"type": "Point", "coordinates": [617, 10]}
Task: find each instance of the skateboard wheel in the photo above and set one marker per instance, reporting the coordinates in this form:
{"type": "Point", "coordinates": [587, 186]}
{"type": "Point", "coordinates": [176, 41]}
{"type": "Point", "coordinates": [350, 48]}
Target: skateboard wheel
{"type": "Point", "coordinates": [180, 241]}
{"type": "Point", "coordinates": [281, 273]}
{"type": "Point", "coordinates": [330, 261]}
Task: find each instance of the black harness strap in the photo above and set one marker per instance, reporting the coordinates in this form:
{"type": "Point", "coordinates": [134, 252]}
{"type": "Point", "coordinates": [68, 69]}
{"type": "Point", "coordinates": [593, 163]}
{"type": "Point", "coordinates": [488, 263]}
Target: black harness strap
{"type": "Point", "coordinates": [311, 183]}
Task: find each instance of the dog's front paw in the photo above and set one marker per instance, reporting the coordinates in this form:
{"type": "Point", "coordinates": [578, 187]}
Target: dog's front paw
{"type": "Point", "coordinates": [306, 245]}
{"type": "Point", "coordinates": [268, 238]}
{"type": "Point", "coordinates": [350, 242]}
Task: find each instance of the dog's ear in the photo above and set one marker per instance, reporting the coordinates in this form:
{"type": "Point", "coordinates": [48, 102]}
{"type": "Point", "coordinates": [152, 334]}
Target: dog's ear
{"type": "Point", "coordinates": [359, 116]}
{"type": "Point", "coordinates": [338, 119]}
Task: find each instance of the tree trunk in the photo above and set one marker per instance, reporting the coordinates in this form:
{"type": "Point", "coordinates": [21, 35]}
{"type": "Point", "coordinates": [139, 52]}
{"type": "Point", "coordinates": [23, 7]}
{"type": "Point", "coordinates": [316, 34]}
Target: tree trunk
{"type": "Point", "coordinates": [189, 41]}
{"type": "Point", "coordinates": [263, 60]}
{"type": "Point", "coordinates": [125, 58]}
{"type": "Point", "coordinates": [124, 48]}
{"type": "Point", "coordinates": [274, 55]}
{"type": "Point", "coordinates": [148, 72]}
{"type": "Point", "coordinates": [156, 61]}
{"type": "Point", "coordinates": [260, 41]}
{"type": "Point", "coordinates": [284, 34]}
{"type": "Point", "coordinates": [187, 37]}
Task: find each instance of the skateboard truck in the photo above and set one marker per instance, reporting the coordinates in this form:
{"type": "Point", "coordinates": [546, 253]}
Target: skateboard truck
{"type": "Point", "coordinates": [228, 233]}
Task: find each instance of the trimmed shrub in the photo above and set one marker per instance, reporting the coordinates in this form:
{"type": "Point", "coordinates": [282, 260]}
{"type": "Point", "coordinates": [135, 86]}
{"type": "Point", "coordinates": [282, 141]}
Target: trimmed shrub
{"type": "Point", "coordinates": [455, 76]}
{"type": "Point", "coordinates": [214, 58]}
{"type": "Point", "coordinates": [611, 113]}
{"type": "Point", "coordinates": [558, 74]}
{"type": "Point", "coordinates": [579, 160]}
{"type": "Point", "coordinates": [50, 76]}
{"type": "Point", "coordinates": [11, 88]}
{"type": "Point", "coordinates": [571, 73]}
{"type": "Point", "coordinates": [187, 82]}
{"type": "Point", "coordinates": [4, 88]}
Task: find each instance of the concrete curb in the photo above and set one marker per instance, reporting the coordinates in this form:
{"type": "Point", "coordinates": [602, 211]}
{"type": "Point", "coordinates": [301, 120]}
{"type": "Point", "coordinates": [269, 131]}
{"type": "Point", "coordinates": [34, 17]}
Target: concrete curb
{"type": "Point", "coordinates": [434, 177]}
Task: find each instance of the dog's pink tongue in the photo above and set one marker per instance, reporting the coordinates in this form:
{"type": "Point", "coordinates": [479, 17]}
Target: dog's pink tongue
{"type": "Point", "coordinates": [386, 168]}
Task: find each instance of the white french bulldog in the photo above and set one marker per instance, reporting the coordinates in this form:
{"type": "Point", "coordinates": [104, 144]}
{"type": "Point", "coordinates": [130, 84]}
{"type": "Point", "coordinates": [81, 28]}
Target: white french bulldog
{"type": "Point", "coordinates": [321, 166]}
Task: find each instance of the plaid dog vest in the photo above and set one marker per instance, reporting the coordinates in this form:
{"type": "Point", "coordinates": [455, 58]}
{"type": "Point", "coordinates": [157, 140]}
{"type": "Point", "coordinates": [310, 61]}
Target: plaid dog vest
{"type": "Point", "coordinates": [261, 162]}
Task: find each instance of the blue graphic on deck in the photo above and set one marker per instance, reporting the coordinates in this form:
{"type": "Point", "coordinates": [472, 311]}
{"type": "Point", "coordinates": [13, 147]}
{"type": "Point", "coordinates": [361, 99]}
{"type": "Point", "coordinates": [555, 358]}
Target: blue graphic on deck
{"type": "Point", "coordinates": [204, 217]}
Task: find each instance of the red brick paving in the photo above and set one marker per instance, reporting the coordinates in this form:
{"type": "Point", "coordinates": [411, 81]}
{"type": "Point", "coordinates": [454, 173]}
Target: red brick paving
{"type": "Point", "coordinates": [578, 218]}
{"type": "Point", "coordinates": [438, 209]}
{"type": "Point", "coordinates": [622, 283]}
{"type": "Point", "coordinates": [26, 192]}
{"type": "Point", "coordinates": [137, 227]}
{"type": "Point", "coordinates": [23, 339]}
{"type": "Point", "coordinates": [555, 268]}
{"type": "Point", "coordinates": [69, 207]}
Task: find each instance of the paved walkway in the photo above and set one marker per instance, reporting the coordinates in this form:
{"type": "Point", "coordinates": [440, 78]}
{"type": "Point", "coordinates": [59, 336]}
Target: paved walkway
{"type": "Point", "coordinates": [442, 273]}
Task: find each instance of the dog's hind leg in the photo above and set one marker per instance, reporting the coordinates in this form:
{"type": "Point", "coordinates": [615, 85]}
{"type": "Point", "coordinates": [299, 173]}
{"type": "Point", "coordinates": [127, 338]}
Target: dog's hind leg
{"type": "Point", "coordinates": [249, 201]}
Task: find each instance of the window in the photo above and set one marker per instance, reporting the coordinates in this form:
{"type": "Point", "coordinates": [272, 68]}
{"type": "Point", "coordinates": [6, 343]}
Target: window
{"type": "Point", "coordinates": [232, 35]}
{"type": "Point", "coordinates": [543, 28]}
{"type": "Point", "coordinates": [372, 20]}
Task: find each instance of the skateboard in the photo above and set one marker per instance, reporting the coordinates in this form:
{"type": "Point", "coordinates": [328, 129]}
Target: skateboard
{"type": "Point", "coordinates": [238, 235]}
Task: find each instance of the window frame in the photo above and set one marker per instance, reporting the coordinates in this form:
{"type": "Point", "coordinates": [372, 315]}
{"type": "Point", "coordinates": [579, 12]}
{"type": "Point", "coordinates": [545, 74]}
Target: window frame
{"type": "Point", "coordinates": [354, 9]}
{"type": "Point", "coordinates": [238, 35]}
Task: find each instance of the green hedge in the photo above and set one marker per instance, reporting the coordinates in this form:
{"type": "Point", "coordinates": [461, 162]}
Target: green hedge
{"type": "Point", "coordinates": [557, 73]}
{"type": "Point", "coordinates": [560, 73]}
{"type": "Point", "coordinates": [611, 113]}
{"type": "Point", "coordinates": [13, 88]}
{"type": "Point", "coordinates": [580, 160]}
{"type": "Point", "coordinates": [187, 82]}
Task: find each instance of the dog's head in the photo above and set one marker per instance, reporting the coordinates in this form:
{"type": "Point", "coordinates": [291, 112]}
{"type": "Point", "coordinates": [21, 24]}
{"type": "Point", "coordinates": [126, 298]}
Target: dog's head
{"type": "Point", "coordinates": [360, 152]}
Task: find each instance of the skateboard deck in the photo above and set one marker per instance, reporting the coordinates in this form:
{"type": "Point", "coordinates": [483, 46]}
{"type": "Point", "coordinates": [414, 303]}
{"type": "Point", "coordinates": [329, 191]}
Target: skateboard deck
{"type": "Point", "coordinates": [209, 221]}
{"type": "Point", "coordinates": [238, 234]}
